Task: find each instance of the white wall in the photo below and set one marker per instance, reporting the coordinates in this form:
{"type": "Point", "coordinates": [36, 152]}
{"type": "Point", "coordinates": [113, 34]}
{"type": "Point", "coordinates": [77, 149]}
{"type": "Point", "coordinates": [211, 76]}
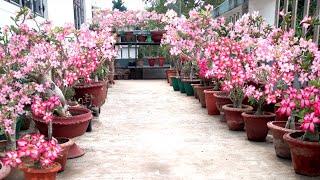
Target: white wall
{"type": "Point", "coordinates": [266, 9]}
{"type": "Point", "coordinates": [60, 11]}
{"type": "Point", "coordinates": [8, 10]}
{"type": "Point", "coordinates": [88, 10]}
{"type": "Point", "coordinates": [232, 13]}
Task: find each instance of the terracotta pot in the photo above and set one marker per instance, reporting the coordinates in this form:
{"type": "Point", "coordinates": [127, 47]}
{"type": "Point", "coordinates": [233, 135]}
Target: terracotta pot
{"type": "Point", "coordinates": [222, 99]}
{"type": "Point", "coordinates": [140, 62]}
{"type": "Point", "coordinates": [65, 144]}
{"type": "Point", "coordinates": [187, 85]}
{"type": "Point", "coordinates": [305, 155]}
{"type": "Point", "coordinates": [161, 61]}
{"type": "Point", "coordinates": [211, 102]}
{"type": "Point", "coordinates": [175, 83]}
{"type": "Point", "coordinates": [128, 36]}
{"type": "Point", "coordinates": [4, 170]}
{"type": "Point", "coordinates": [151, 61]}
{"type": "Point", "coordinates": [49, 173]}
{"type": "Point", "coordinates": [142, 38]}
{"type": "Point", "coordinates": [195, 90]}
{"type": "Point", "coordinates": [278, 130]}
{"type": "Point", "coordinates": [70, 126]}
{"type": "Point", "coordinates": [171, 72]}
{"type": "Point", "coordinates": [256, 125]}
{"type": "Point", "coordinates": [201, 95]}
{"type": "Point", "coordinates": [233, 116]}
{"type": "Point", "coordinates": [97, 89]}
{"type": "Point", "coordinates": [156, 36]}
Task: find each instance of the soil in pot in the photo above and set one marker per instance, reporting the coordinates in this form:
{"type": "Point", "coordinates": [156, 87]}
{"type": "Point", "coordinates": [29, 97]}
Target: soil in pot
{"type": "Point", "coordinates": [65, 144]}
{"type": "Point", "coordinates": [233, 116]}
{"type": "Point", "coordinates": [278, 130]}
{"type": "Point", "coordinates": [181, 84]}
{"type": "Point", "coordinates": [211, 102]}
{"type": "Point", "coordinates": [256, 125]}
{"type": "Point", "coordinates": [187, 85]}
{"type": "Point", "coordinates": [161, 61]}
{"type": "Point", "coordinates": [151, 61]}
{"type": "Point", "coordinates": [175, 83]}
{"type": "Point", "coordinates": [49, 173]}
{"type": "Point", "coordinates": [305, 155]}
{"type": "Point", "coordinates": [201, 95]}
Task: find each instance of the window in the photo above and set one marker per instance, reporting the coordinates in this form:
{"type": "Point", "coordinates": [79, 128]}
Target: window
{"type": "Point", "coordinates": [78, 9]}
{"type": "Point", "coordinates": [37, 6]}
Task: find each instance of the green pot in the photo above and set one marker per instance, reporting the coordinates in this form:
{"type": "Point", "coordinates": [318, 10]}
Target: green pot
{"type": "Point", "coordinates": [18, 127]}
{"type": "Point", "coordinates": [181, 85]}
{"type": "Point", "coordinates": [175, 83]}
{"type": "Point", "coordinates": [188, 88]}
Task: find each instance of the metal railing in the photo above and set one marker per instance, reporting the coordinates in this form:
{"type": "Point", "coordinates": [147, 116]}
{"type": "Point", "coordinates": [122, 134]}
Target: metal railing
{"type": "Point", "coordinates": [294, 10]}
{"type": "Point", "coordinates": [226, 6]}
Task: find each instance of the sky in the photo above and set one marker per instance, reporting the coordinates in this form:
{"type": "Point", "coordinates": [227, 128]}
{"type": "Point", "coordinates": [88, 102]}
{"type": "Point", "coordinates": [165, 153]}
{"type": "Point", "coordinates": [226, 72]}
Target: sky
{"type": "Point", "coordinates": [130, 4]}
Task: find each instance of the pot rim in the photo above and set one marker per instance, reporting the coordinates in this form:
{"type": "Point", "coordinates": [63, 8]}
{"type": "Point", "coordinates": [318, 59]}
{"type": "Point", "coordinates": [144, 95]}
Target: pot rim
{"type": "Point", "coordinates": [87, 85]}
{"type": "Point", "coordinates": [190, 80]}
{"type": "Point", "coordinates": [209, 91]}
{"type": "Point", "coordinates": [265, 114]}
{"type": "Point", "coordinates": [295, 140]}
{"type": "Point", "coordinates": [272, 125]}
{"type": "Point", "coordinates": [56, 167]}
{"type": "Point", "coordinates": [222, 97]}
{"type": "Point", "coordinates": [245, 108]}
{"type": "Point", "coordinates": [204, 87]}
{"type": "Point", "coordinates": [70, 142]}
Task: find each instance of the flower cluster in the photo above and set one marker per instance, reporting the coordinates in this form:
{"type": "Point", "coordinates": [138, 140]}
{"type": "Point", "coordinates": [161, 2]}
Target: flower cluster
{"type": "Point", "coordinates": [45, 109]}
{"type": "Point", "coordinates": [304, 104]}
{"type": "Point", "coordinates": [42, 152]}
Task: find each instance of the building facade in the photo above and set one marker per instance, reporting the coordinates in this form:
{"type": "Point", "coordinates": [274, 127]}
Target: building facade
{"type": "Point", "coordinates": [57, 11]}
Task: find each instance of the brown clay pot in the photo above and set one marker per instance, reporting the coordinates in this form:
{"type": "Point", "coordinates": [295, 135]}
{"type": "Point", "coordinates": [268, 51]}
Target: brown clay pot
{"type": "Point", "coordinates": [161, 61]}
{"type": "Point", "coordinates": [65, 144]}
{"type": "Point", "coordinates": [211, 102]}
{"type": "Point", "coordinates": [49, 173]}
{"type": "Point", "coordinates": [233, 116]}
{"type": "Point", "coordinates": [305, 155]}
{"type": "Point", "coordinates": [151, 61]}
{"type": "Point", "coordinates": [201, 95]}
{"type": "Point", "coordinates": [278, 130]}
{"type": "Point", "coordinates": [256, 125]}
{"type": "Point", "coordinates": [222, 99]}
{"type": "Point", "coordinates": [97, 89]}
{"type": "Point", "coordinates": [171, 72]}
{"type": "Point", "coordinates": [195, 90]}
{"type": "Point", "coordinates": [142, 38]}
{"type": "Point", "coordinates": [156, 36]}
{"type": "Point", "coordinates": [129, 36]}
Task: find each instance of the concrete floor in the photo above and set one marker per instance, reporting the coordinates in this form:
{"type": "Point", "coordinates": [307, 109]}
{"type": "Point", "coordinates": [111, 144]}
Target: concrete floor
{"type": "Point", "coordinates": [148, 131]}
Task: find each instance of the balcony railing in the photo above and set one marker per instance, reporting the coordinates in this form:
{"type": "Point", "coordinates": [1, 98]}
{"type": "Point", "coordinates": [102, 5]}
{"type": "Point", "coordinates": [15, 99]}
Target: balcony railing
{"type": "Point", "coordinates": [226, 6]}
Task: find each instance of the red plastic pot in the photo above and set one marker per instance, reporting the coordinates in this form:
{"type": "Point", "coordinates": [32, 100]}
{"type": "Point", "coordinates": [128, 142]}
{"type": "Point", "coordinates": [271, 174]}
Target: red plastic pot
{"type": "Point", "coordinates": [161, 61]}
{"type": "Point", "coordinates": [151, 61]}
{"type": "Point", "coordinates": [49, 173]}
{"type": "Point", "coordinates": [305, 155]}
{"type": "Point", "coordinates": [278, 130]}
{"type": "Point", "coordinates": [256, 125]}
{"type": "Point", "coordinates": [222, 99]}
{"type": "Point", "coordinates": [97, 89]}
{"type": "Point", "coordinates": [128, 36]}
{"type": "Point", "coordinates": [211, 102]}
{"type": "Point", "coordinates": [171, 72]}
{"type": "Point", "coordinates": [195, 90]}
{"type": "Point", "coordinates": [233, 116]}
